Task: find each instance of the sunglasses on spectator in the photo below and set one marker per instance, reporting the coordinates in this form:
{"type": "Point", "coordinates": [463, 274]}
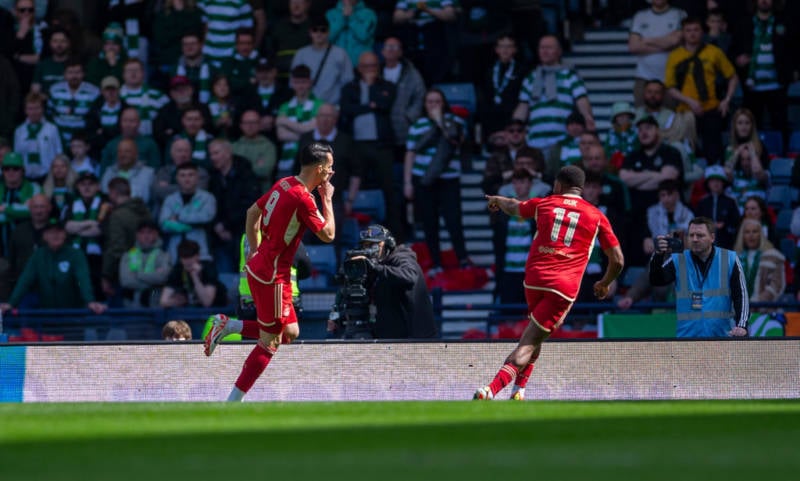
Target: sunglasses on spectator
{"type": "Point", "coordinates": [515, 131]}
{"type": "Point", "coordinates": [319, 29]}
{"type": "Point", "coordinates": [12, 168]}
{"type": "Point", "coordinates": [25, 10]}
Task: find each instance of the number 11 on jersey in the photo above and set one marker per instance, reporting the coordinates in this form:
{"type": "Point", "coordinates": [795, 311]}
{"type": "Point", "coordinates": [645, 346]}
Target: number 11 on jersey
{"type": "Point", "coordinates": [559, 221]}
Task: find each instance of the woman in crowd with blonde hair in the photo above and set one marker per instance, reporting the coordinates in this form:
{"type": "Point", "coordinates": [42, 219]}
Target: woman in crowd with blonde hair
{"type": "Point", "coordinates": [744, 139]}
{"type": "Point", "coordinates": [763, 265]}
{"type": "Point", "coordinates": [60, 182]}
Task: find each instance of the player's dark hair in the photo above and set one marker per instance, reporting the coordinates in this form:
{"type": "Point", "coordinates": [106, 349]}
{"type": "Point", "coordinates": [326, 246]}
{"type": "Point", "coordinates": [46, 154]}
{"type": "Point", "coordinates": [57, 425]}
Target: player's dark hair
{"type": "Point", "coordinates": [188, 248]}
{"type": "Point", "coordinates": [571, 176]}
{"type": "Point", "coordinates": [712, 228]}
{"type": "Point", "coordinates": [315, 153]}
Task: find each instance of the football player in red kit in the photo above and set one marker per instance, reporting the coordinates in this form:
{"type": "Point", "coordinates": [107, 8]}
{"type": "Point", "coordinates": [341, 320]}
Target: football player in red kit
{"type": "Point", "coordinates": [566, 229]}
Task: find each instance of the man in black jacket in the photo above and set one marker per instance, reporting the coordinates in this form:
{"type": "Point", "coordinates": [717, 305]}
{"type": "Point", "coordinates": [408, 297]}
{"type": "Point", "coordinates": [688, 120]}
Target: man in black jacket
{"type": "Point", "coordinates": [235, 186]}
{"type": "Point", "coordinates": [397, 289]}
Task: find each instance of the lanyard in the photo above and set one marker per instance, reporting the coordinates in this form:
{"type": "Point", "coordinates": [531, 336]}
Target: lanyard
{"type": "Point", "coordinates": [498, 83]}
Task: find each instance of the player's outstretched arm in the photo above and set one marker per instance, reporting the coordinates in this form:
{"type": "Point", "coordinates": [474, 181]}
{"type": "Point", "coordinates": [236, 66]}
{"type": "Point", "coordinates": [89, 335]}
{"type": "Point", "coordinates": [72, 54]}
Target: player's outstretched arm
{"type": "Point", "coordinates": [616, 262]}
{"type": "Point", "coordinates": [506, 204]}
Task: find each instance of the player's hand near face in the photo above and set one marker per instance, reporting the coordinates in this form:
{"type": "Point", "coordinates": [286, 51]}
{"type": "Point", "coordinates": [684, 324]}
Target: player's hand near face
{"type": "Point", "coordinates": [325, 189]}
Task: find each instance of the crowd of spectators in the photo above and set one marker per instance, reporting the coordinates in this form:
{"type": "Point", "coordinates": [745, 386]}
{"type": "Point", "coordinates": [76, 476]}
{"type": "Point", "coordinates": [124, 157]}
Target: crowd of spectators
{"type": "Point", "coordinates": [143, 141]}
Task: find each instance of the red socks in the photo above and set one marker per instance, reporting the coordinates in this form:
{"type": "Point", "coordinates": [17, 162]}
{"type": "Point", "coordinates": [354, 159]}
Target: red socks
{"type": "Point", "coordinates": [504, 376]}
{"type": "Point", "coordinates": [254, 365]}
{"type": "Point", "coordinates": [522, 377]}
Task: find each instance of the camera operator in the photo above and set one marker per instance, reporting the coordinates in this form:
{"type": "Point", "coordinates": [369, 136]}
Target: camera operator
{"type": "Point", "coordinates": [384, 294]}
{"type": "Point", "coordinates": [710, 291]}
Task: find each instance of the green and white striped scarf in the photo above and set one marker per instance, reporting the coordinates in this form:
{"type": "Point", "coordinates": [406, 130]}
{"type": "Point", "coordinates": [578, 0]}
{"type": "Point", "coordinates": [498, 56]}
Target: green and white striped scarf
{"type": "Point", "coordinates": [198, 76]}
{"type": "Point", "coordinates": [79, 212]}
{"type": "Point", "coordinates": [762, 74]}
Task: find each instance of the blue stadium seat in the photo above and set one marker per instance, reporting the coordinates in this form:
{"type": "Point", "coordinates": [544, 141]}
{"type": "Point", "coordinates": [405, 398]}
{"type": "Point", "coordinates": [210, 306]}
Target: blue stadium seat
{"type": "Point", "coordinates": [371, 202]}
{"type": "Point", "coordinates": [788, 249]}
{"type": "Point", "coordinates": [784, 220]}
{"type": "Point", "coordinates": [462, 94]}
{"type": "Point", "coordinates": [323, 258]}
{"type": "Point", "coordinates": [348, 233]}
{"type": "Point", "coordinates": [780, 170]}
{"type": "Point", "coordinates": [631, 274]}
{"type": "Point", "coordinates": [773, 141]}
{"type": "Point", "coordinates": [794, 143]}
{"type": "Point", "coordinates": [780, 196]}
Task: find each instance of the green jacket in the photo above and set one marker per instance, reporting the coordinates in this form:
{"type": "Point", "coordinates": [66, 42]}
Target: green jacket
{"type": "Point", "coordinates": [61, 279]}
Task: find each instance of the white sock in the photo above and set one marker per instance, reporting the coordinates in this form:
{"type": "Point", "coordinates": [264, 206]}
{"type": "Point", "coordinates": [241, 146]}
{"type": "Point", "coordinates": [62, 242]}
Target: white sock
{"type": "Point", "coordinates": [234, 325]}
{"type": "Point", "coordinates": [236, 394]}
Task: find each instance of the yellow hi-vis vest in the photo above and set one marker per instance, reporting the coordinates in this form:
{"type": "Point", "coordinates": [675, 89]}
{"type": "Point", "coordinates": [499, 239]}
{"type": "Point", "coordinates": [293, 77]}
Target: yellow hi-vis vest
{"type": "Point", "coordinates": [244, 288]}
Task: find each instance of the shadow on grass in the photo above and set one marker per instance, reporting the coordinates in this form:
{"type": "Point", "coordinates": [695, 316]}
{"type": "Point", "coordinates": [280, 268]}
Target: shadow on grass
{"type": "Point", "coordinates": [731, 447]}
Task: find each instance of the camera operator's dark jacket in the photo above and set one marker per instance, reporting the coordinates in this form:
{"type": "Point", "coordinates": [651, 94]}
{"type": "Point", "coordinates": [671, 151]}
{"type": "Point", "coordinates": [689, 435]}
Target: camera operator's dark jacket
{"type": "Point", "coordinates": [404, 308]}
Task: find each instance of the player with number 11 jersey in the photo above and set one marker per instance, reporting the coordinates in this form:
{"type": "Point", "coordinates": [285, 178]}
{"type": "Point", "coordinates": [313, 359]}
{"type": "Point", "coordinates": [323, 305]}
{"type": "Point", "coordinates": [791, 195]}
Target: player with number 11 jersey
{"type": "Point", "coordinates": [566, 229]}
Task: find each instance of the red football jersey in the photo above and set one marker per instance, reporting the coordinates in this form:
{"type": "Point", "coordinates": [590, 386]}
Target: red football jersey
{"type": "Point", "coordinates": [287, 210]}
{"type": "Point", "coordinates": [566, 229]}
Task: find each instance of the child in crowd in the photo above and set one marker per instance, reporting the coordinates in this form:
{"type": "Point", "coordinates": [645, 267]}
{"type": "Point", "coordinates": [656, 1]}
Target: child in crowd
{"type": "Point", "coordinates": [176, 330]}
{"type": "Point", "coordinates": [622, 138]}
{"type": "Point", "coordinates": [79, 148]}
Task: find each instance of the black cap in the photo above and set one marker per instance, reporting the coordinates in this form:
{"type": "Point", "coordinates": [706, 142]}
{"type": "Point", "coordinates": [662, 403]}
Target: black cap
{"type": "Point", "coordinates": [147, 224]}
{"type": "Point", "coordinates": [53, 224]}
{"type": "Point", "coordinates": [263, 64]}
{"type": "Point", "coordinates": [87, 175]}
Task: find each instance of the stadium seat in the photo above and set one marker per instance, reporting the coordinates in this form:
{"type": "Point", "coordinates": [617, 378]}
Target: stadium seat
{"type": "Point", "coordinates": [631, 274]}
{"type": "Point", "coordinates": [783, 224]}
{"type": "Point", "coordinates": [780, 169]}
{"type": "Point", "coordinates": [348, 233]}
{"type": "Point", "coordinates": [462, 94]}
{"type": "Point", "coordinates": [780, 196]}
{"type": "Point", "coordinates": [794, 144]}
{"type": "Point", "coordinates": [773, 141]}
{"type": "Point", "coordinates": [788, 249]}
{"type": "Point", "coordinates": [371, 202]}
{"type": "Point", "coordinates": [323, 258]}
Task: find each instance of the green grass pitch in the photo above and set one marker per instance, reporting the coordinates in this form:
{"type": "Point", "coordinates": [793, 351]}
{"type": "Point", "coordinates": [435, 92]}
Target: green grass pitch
{"type": "Point", "coordinates": [675, 441]}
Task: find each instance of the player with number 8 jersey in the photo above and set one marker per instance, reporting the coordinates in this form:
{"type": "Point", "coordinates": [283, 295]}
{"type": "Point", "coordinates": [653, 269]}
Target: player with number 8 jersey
{"type": "Point", "coordinates": [566, 230]}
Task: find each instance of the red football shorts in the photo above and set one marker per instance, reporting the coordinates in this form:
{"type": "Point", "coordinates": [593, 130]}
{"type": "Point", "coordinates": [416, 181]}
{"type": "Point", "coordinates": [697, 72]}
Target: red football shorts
{"type": "Point", "coordinates": [547, 309]}
{"type": "Point", "coordinates": [273, 304]}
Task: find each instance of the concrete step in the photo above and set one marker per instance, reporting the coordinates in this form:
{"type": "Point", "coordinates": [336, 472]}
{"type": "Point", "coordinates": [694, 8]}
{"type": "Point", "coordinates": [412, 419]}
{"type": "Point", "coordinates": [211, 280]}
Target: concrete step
{"type": "Point", "coordinates": [606, 36]}
{"type": "Point", "coordinates": [621, 85]}
{"type": "Point", "coordinates": [608, 98]}
{"type": "Point", "coordinates": [601, 48]}
{"type": "Point", "coordinates": [601, 60]}
{"type": "Point", "coordinates": [590, 72]}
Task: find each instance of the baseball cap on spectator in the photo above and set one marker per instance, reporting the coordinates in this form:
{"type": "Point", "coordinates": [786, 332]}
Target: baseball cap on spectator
{"type": "Point", "coordinates": [263, 64]}
{"type": "Point", "coordinates": [53, 224]}
{"type": "Point", "coordinates": [86, 176]}
{"type": "Point", "coordinates": [113, 33]}
{"type": "Point", "coordinates": [621, 108]}
{"type": "Point", "coordinates": [647, 119]}
{"type": "Point", "coordinates": [109, 82]}
{"type": "Point", "coordinates": [716, 172]}
{"type": "Point", "coordinates": [301, 71]}
{"type": "Point", "coordinates": [13, 159]}
{"type": "Point", "coordinates": [179, 81]}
